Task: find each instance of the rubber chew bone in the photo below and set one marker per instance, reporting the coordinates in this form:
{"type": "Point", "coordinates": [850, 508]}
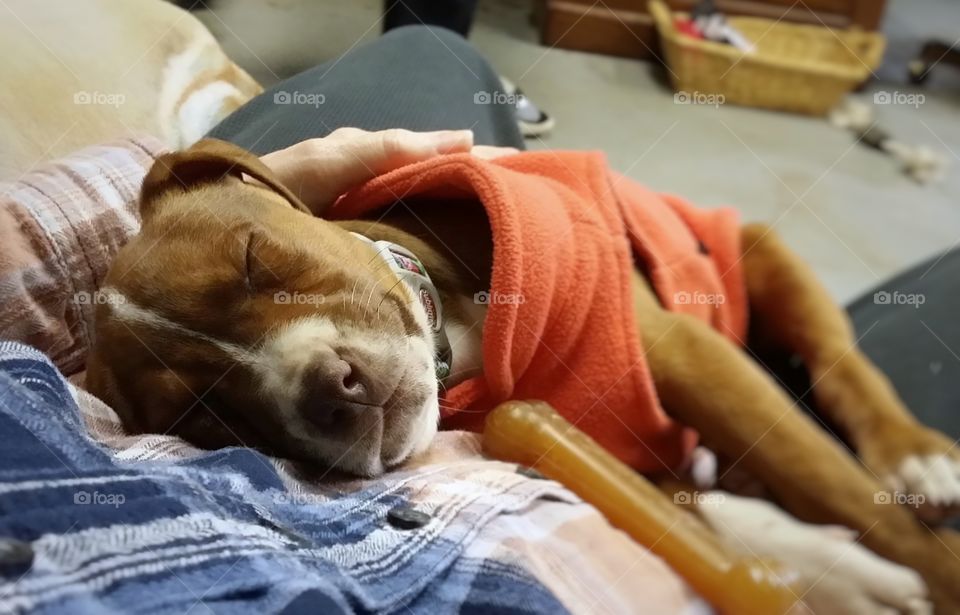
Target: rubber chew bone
{"type": "Point", "coordinates": [533, 434]}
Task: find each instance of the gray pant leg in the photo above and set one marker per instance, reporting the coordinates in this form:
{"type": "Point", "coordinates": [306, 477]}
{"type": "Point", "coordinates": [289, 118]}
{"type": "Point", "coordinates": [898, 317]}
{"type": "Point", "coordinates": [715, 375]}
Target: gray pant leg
{"type": "Point", "coordinates": [415, 77]}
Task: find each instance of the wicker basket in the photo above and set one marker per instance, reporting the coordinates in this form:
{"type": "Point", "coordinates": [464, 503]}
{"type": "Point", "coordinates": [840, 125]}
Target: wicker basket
{"type": "Point", "coordinates": [799, 68]}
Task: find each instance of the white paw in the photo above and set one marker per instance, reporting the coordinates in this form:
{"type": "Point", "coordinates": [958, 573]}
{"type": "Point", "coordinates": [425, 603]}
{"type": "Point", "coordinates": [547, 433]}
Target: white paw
{"type": "Point", "coordinates": [933, 480]}
{"type": "Point", "coordinates": [846, 578]}
{"type": "Point", "coordinates": [841, 577]}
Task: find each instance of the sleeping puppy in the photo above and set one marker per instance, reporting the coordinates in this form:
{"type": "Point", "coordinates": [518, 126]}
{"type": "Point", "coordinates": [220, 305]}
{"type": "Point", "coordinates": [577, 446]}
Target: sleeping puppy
{"type": "Point", "coordinates": [238, 318]}
{"type": "Point", "coordinates": [310, 378]}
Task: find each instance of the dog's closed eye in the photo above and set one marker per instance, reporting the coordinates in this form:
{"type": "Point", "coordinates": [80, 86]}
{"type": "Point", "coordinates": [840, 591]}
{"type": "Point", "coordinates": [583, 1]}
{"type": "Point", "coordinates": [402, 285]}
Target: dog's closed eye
{"type": "Point", "coordinates": [268, 266]}
{"type": "Point", "coordinates": [263, 269]}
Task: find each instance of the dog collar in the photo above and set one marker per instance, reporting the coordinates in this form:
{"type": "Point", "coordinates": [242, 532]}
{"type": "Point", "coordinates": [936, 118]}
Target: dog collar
{"type": "Point", "coordinates": [411, 272]}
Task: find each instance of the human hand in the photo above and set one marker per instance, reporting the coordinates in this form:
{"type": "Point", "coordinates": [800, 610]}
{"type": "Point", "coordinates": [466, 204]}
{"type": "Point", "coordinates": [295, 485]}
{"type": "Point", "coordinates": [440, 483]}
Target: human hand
{"type": "Point", "coordinates": [320, 170]}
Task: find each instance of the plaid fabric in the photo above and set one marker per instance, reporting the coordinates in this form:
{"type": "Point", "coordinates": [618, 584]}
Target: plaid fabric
{"type": "Point", "coordinates": [119, 523]}
{"type": "Point", "coordinates": [60, 226]}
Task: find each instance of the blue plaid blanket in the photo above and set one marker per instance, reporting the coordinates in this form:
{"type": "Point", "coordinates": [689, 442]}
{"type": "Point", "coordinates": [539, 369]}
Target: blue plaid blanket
{"type": "Point", "coordinates": [89, 528]}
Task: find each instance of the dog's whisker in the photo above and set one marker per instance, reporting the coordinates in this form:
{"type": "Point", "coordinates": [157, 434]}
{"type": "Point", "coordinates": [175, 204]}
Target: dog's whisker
{"type": "Point", "coordinates": [378, 253]}
{"type": "Point", "coordinates": [476, 370]}
{"type": "Point", "coordinates": [396, 309]}
{"type": "Point", "coordinates": [386, 294]}
{"type": "Point", "coordinates": [363, 291]}
{"type": "Point", "coordinates": [355, 282]}
{"type": "Point", "coordinates": [371, 286]}
{"type": "Point", "coordinates": [461, 410]}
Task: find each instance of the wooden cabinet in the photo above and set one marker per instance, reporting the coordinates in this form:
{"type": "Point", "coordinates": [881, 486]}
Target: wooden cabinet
{"type": "Point", "coordinates": [625, 27]}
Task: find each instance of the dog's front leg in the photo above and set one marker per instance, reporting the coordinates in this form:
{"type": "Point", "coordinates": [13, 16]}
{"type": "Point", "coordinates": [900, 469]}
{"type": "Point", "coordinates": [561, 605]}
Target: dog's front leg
{"type": "Point", "coordinates": [791, 310]}
{"type": "Point", "coordinates": [707, 383]}
{"type": "Point", "coordinates": [842, 577]}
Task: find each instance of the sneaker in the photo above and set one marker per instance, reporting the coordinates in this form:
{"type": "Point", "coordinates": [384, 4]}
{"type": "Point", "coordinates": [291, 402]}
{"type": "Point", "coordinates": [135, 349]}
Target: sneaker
{"type": "Point", "coordinates": [533, 121]}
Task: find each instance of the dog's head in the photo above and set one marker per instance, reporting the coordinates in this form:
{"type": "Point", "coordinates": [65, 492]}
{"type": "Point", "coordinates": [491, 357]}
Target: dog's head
{"type": "Point", "coordinates": [237, 318]}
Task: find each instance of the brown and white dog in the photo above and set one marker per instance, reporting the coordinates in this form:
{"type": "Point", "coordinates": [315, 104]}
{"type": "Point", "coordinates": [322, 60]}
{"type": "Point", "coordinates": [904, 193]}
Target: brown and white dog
{"type": "Point", "coordinates": [192, 341]}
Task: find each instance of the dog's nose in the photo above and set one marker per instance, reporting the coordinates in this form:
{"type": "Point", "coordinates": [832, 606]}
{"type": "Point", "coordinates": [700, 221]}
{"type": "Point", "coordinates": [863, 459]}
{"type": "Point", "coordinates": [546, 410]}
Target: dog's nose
{"type": "Point", "coordinates": [346, 380]}
{"type": "Point", "coordinates": [338, 387]}
{"type": "Point", "coordinates": [340, 379]}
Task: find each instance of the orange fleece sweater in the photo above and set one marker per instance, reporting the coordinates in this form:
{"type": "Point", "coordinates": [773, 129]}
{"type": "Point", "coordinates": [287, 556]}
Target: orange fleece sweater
{"type": "Point", "coordinates": [560, 324]}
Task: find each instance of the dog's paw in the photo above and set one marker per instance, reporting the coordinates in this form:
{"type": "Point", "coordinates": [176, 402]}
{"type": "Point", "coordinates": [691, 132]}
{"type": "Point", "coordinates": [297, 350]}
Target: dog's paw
{"type": "Point", "coordinates": [929, 483]}
{"type": "Point", "coordinates": [921, 467]}
{"type": "Point", "coordinates": [853, 580]}
{"type": "Point", "coordinates": [841, 577]}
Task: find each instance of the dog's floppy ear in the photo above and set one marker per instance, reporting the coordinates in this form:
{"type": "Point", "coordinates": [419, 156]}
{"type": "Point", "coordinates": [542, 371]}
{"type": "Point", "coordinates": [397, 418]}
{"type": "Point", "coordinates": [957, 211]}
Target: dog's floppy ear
{"type": "Point", "coordinates": [207, 161]}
